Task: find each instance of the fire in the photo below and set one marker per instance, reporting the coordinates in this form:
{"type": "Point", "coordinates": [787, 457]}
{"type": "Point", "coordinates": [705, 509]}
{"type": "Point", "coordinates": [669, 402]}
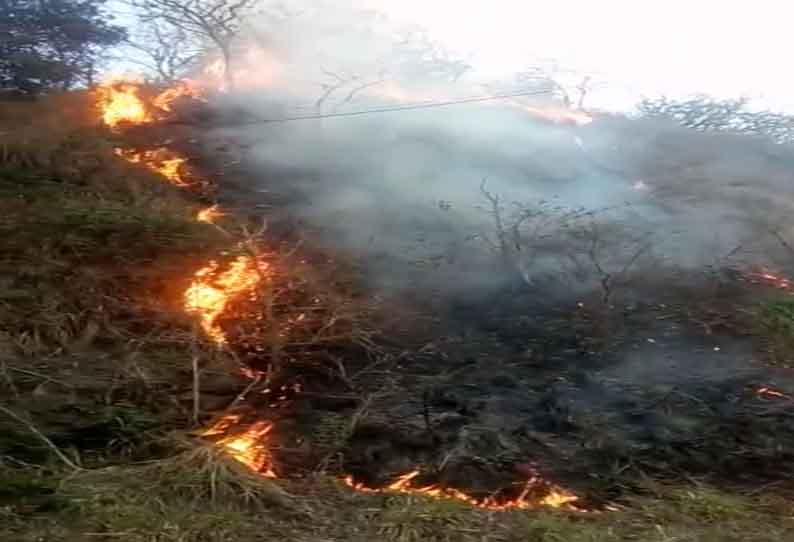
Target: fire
{"type": "Point", "coordinates": [170, 168]}
{"type": "Point", "coordinates": [249, 448]}
{"type": "Point", "coordinates": [554, 498]}
{"type": "Point", "coordinates": [183, 88]}
{"type": "Point", "coordinates": [209, 215]}
{"type": "Point", "coordinates": [211, 291]}
{"type": "Point", "coordinates": [773, 279]}
{"type": "Point", "coordinates": [120, 102]}
{"type": "Point", "coordinates": [769, 392]}
{"type": "Point", "coordinates": [559, 115]}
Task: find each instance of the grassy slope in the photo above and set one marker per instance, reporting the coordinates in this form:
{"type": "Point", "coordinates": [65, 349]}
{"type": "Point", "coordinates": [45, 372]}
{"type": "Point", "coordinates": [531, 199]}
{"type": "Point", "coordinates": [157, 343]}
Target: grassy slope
{"type": "Point", "coordinates": [95, 356]}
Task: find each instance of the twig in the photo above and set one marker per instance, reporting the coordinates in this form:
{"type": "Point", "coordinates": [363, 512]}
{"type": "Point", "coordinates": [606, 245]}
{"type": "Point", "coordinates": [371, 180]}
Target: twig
{"type": "Point", "coordinates": [38, 375]}
{"type": "Point", "coordinates": [68, 462]}
{"type": "Point", "coordinates": [196, 389]}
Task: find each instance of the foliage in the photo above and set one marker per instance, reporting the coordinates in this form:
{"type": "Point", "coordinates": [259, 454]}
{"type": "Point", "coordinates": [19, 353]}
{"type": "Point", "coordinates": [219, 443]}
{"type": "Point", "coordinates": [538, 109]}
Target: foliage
{"type": "Point", "coordinates": [210, 23]}
{"type": "Point", "coordinates": [708, 114]}
{"type": "Point", "coordinates": [52, 44]}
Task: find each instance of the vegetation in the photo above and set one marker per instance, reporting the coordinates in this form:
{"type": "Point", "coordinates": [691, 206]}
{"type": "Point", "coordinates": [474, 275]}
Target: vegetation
{"type": "Point", "coordinates": [96, 376]}
{"type": "Point", "coordinates": [704, 113]}
{"type": "Point", "coordinates": [53, 44]}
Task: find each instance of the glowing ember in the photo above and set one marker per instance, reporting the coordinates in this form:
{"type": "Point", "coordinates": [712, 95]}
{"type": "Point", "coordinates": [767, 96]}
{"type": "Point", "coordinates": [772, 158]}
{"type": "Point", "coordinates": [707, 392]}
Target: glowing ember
{"type": "Point", "coordinates": [554, 498]}
{"type": "Point", "coordinates": [209, 215]}
{"type": "Point", "coordinates": [210, 291]}
{"type": "Point", "coordinates": [769, 392]}
{"type": "Point", "coordinates": [249, 447]}
{"type": "Point", "coordinates": [120, 102]}
{"type": "Point", "coordinates": [772, 279]}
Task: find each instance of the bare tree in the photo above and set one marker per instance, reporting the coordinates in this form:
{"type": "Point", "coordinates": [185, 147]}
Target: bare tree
{"type": "Point", "coordinates": [569, 86]}
{"type": "Point", "coordinates": [707, 114]}
{"type": "Point", "coordinates": [209, 22]}
{"type": "Point", "coordinates": [165, 50]}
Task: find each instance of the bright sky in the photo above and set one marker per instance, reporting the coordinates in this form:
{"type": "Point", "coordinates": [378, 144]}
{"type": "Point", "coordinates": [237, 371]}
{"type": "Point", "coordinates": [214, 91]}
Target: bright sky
{"type": "Point", "coordinates": [726, 48]}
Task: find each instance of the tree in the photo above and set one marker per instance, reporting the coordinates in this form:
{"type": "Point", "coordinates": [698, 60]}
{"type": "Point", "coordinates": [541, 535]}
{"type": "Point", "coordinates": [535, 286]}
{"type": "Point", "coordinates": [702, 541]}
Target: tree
{"type": "Point", "coordinates": [164, 50]}
{"type": "Point", "coordinates": [213, 23]}
{"type": "Point", "coordinates": [569, 86]}
{"type": "Point", "coordinates": [53, 44]}
{"type": "Point", "coordinates": [707, 114]}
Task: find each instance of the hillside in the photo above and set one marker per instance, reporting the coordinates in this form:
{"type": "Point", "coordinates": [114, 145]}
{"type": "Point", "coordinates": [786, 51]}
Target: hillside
{"type": "Point", "coordinates": [174, 374]}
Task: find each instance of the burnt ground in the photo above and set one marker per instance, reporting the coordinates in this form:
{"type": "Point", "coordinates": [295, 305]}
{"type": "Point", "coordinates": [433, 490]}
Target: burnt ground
{"type": "Point", "coordinates": [663, 382]}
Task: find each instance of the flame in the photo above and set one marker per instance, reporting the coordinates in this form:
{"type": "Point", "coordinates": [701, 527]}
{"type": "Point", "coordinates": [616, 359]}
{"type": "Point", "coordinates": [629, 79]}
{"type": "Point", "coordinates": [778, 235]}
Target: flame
{"type": "Point", "coordinates": [249, 448]}
{"type": "Point", "coordinates": [183, 88]}
{"type": "Point", "coordinates": [772, 279]}
{"type": "Point", "coordinates": [769, 392]}
{"type": "Point", "coordinates": [254, 67]}
{"type": "Point", "coordinates": [210, 214]}
{"type": "Point", "coordinates": [554, 498]}
{"type": "Point", "coordinates": [120, 102]}
{"type": "Point", "coordinates": [210, 291]}
{"type": "Point", "coordinates": [558, 115]}
{"type": "Point", "coordinates": [170, 168]}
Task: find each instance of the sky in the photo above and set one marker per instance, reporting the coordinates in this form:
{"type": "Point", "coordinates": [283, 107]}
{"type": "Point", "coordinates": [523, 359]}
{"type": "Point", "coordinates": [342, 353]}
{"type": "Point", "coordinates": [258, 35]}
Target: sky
{"type": "Point", "coordinates": [673, 47]}
{"type": "Point", "coordinates": [637, 47]}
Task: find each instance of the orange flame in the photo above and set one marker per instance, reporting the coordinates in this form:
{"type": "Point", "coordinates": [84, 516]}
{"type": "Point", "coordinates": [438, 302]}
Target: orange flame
{"type": "Point", "coordinates": [773, 279]}
{"type": "Point", "coordinates": [769, 392]}
{"type": "Point", "coordinates": [554, 498]}
{"type": "Point", "coordinates": [249, 448]}
{"type": "Point", "coordinates": [183, 88]}
{"type": "Point", "coordinates": [558, 115]}
{"type": "Point", "coordinates": [210, 292]}
{"type": "Point", "coordinates": [210, 214]}
{"type": "Point", "coordinates": [120, 102]}
{"type": "Point", "coordinates": [170, 168]}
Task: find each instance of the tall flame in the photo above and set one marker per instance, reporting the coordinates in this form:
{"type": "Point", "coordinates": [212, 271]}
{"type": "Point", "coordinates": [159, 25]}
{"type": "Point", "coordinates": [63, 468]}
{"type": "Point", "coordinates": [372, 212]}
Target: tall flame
{"type": "Point", "coordinates": [120, 102]}
{"type": "Point", "coordinates": [211, 291]}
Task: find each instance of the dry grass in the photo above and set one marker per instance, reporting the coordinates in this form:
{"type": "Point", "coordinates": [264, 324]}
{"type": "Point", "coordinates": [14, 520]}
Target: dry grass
{"type": "Point", "coordinates": [96, 358]}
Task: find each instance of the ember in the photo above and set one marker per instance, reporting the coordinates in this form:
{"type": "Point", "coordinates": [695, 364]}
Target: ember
{"type": "Point", "coordinates": [210, 291]}
{"type": "Point", "coordinates": [554, 497]}
{"type": "Point", "coordinates": [772, 279]}
{"type": "Point", "coordinates": [769, 392]}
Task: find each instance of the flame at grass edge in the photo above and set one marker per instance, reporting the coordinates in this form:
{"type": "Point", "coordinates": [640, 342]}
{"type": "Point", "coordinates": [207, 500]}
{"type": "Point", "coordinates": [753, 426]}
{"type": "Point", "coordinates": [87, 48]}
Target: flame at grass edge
{"type": "Point", "coordinates": [554, 498]}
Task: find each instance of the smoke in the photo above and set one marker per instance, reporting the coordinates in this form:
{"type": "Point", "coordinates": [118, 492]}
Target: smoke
{"type": "Point", "coordinates": [408, 190]}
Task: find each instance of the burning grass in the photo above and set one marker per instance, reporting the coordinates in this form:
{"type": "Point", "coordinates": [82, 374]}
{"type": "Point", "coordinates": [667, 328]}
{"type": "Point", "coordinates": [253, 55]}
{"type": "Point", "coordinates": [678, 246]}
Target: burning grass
{"type": "Point", "coordinates": [124, 311]}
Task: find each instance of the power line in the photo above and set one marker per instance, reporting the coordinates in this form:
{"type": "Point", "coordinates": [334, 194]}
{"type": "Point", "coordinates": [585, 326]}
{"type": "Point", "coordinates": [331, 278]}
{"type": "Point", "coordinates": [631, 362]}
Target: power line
{"type": "Point", "coordinates": [396, 109]}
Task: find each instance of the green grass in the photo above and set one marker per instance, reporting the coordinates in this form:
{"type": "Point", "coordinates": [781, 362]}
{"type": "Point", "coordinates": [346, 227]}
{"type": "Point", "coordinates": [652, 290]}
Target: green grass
{"type": "Point", "coordinates": [774, 329]}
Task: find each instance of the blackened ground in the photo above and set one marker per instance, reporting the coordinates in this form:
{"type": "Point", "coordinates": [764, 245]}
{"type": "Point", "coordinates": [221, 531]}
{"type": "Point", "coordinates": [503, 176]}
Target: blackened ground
{"type": "Point", "coordinates": [662, 381]}
{"type": "Point", "coordinates": [502, 389]}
